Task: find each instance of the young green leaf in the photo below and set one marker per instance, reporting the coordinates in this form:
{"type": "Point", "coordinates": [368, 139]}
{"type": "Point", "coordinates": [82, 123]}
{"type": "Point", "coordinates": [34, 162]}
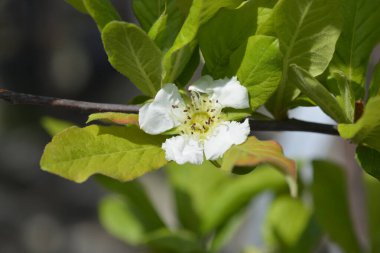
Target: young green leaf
{"type": "Point", "coordinates": [165, 241]}
{"type": "Point", "coordinates": [345, 97]}
{"type": "Point", "coordinates": [304, 41]}
{"type": "Point", "coordinates": [180, 53]}
{"type": "Point", "coordinates": [286, 221]}
{"type": "Point", "coordinates": [115, 117]}
{"type": "Point", "coordinates": [331, 205]}
{"type": "Point", "coordinates": [223, 34]}
{"type": "Point", "coordinates": [78, 5]}
{"type": "Point", "coordinates": [260, 69]}
{"type": "Point", "coordinates": [129, 216]}
{"type": "Point", "coordinates": [121, 219]}
{"type": "Point", "coordinates": [158, 27]}
{"type": "Point", "coordinates": [131, 52]}
{"type": "Point", "coordinates": [102, 11]}
{"type": "Point", "coordinates": [373, 206]}
{"type": "Point", "coordinates": [369, 160]}
{"type": "Point", "coordinates": [375, 82]}
{"type": "Point", "coordinates": [148, 11]}
{"type": "Point", "coordinates": [123, 153]}
{"type": "Point", "coordinates": [206, 197]}
{"type": "Point", "coordinates": [360, 34]}
{"type": "Point", "coordinates": [366, 130]}
{"type": "Point", "coordinates": [317, 93]}
{"type": "Point", "coordinates": [53, 126]}
{"type": "Point", "coordinates": [254, 152]}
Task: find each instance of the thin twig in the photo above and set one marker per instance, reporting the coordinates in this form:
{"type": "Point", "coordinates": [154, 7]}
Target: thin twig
{"type": "Point", "coordinates": [28, 99]}
{"type": "Point", "coordinates": [256, 125]}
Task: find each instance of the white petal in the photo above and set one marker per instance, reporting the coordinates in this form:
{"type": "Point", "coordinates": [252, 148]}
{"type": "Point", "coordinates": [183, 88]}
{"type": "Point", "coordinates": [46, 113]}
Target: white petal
{"type": "Point", "coordinates": [224, 136]}
{"type": "Point", "coordinates": [159, 116]}
{"type": "Point", "coordinates": [228, 92]}
{"type": "Point", "coordinates": [183, 149]}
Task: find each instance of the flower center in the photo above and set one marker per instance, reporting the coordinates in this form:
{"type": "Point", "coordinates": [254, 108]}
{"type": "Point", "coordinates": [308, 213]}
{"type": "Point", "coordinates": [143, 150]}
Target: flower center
{"type": "Point", "coordinates": [202, 115]}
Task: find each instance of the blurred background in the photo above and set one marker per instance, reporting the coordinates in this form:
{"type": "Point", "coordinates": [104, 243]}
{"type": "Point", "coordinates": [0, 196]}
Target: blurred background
{"type": "Point", "coordinates": [48, 48]}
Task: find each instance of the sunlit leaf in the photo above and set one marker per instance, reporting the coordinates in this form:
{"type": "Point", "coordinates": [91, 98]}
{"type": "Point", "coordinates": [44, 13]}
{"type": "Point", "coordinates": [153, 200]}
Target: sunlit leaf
{"type": "Point", "coordinates": [307, 31]}
{"type": "Point", "coordinates": [102, 11]}
{"type": "Point", "coordinates": [366, 130]}
{"type": "Point", "coordinates": [223, 34]}
{"type": "Point", "coordinates": [162, 19]}
{"type": "Point", "coordinates": [180, 53]}
{"type": "Point", "coordinates": [360, 34]}
{"type": "Point", "coordinates": [260, 69]}
{"type": "Point", "coordinates": [254, 152]}
{"type": "Point", "coordinates": [317, 93]}
{"type": "Point", "coordinates": [131, 52]}
{"type": "Point", "coordinates": [369, 160]}
{"type": "Point", "coordinates": [331, 205]}
{"type": "Point", "coordinates": [123, 153]}
{"type": "Point", "coordinates": [115, 117]}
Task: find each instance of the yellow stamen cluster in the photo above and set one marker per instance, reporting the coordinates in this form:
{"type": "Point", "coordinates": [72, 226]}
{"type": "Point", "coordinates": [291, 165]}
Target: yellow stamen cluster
{"type": "Point", "coordinates": [202, 115]}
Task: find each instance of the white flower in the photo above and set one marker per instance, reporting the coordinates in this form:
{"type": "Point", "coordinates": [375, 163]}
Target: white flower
{"type": "Point", "coordinates": [201, 122]}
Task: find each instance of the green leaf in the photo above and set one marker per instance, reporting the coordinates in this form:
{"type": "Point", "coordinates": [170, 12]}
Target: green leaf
{"type": "Point", "coordinates": [207, 197]}
{"type": "Point", "coordinates": [254, 152]}
{"type": "Point", "coordinates": [102, 11]}
{"type": "Point", "coordinates": [53, 126]}
{"type": "Point", "coordinates": [148, 11]}
{"type": "Point", "coordinates": [162, 18]}
{"type": "Point", "coordinates": [260, 69]}
{"type": "Point", "coordinates": [345, 97]}
{"type": "Point", "coordinates": [307, 31]}
{"type": "Point", "coordinates": [375, 82]}
{"type": "Point", "coordinates": [166, 241]}
{"type": "Point", "coordinates": [331, 205]}
{"type": "Point", "coordinates": [218, 43]}
{"type": "Point", "coordinates": [317, 93]}
{"type": "Point", "coordinates": [78, 5]}
{"type": "Point", "coordinates": [366, 130]}
{"type": "Point", "coordinates": [226, 231]}
{"type": "Point", "coordinates": [360, 34]}
{"type": "Point", "coordinates": [131, 52]}
{"type": "Point", "coordinates": [158, 27]}
{"type": "Point", "coordinates": [123, 153]}
{"type": "Point", "coordinates": [114, 117]}
{"type": "Point", "coordinates": [180, 53]}
{"type": "Point", "coordinates": [130, 216]}
{"type": "Point", "coordinates": [369, 160]}
{"type": "Point", "coordinates": [192, 65]}
{"type": "Point", "coordinates": [265, 18]}
{"type": "Point", "coordinates": [121, 219]}
{"type": "Point", "coordinates": [286, 221]}
{"type": "Point", "coordinates": [228, 199]}
{"type": "Point", "coordinates": [373, 207]}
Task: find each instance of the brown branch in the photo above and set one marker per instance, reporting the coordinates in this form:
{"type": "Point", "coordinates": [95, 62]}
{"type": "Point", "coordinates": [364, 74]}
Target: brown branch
{"type": "Point", "coordinates": [28, 99]}
{"type": "Point", "coordinates": [256, 125]}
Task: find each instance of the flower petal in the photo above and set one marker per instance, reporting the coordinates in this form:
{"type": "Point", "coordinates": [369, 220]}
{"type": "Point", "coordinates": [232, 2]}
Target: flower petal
{"type": "Point", "coordinates": [228, 92]}
{"type": "Point", "coordinates": [224, 136]}
{"type": "Point", "coordinates": [159, 116]}
{"type": "Point", "coordinates": [183, 149]}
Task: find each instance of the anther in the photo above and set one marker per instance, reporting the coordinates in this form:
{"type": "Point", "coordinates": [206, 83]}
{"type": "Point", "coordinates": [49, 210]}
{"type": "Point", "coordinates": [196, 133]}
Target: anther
{"type": "Point", "coordinates": [185, 110]}
{"type": "Point", "coordinates": [188, 117]}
